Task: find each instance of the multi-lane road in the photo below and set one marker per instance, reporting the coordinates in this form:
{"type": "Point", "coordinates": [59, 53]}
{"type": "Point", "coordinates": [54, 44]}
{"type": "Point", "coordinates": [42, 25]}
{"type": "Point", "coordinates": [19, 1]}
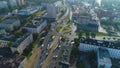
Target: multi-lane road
{"type": "Point", "coordinates": [50, 62]}
{"type": "Point", "coordinates": [43, 61]}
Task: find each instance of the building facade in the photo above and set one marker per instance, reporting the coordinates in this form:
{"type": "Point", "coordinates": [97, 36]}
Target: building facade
{"type": "Point", "coordinates": [51, 11]}
{"type": "Point", "coordinates": [113, 50]}
{"type": "Point", "coordinates": [114, 53]}
{"type": "Point", "coordinates": [36, 29]}
{"type": "Point", "coordinates": [22, 43]}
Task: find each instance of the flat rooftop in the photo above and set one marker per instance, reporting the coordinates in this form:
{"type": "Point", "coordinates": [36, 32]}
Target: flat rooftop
{"type": "Point", "coordinates": [36, 23]}
{"type": "Point", "coordinates": [10, 38]}
{"type": "Point", "coordinates": [103, 53]}
{"type": "Point", "coordinates": [108, 44]}
{"type": "Point", "coordinates": [103, 56]}
{"type": "Point", "coordinates": [9, 21]}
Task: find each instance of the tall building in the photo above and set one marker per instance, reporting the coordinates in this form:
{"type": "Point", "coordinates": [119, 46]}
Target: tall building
{"type": "Point", "coordinates": [51, 11]}
{"type": "Point", "coordinates": [21, 2]}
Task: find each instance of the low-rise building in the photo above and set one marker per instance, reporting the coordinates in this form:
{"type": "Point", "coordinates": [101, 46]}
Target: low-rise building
{"type": "Point", "coordinates": [91, 44]}
{"type": "Point", "coordinates": [27, 11]}
{"type": "Point", "coordinates": [9, 24]}
{"type": "Point", "coordinates": [12, 62]}
{"type": "Point", "coordinates": [5, 53]}
{"type": "Point", "coordinates": [88, 24]}
{"type": "Point", "coordinates": [86, 20]}
{"type": "Point", "coordinates": [116, 19]}
{"type": "Point", "coordinates": [3, 4]}
{"type": "Point", "coordinates": [3, 32]}
{"type": "Point", "coordinates": [6, 41]}
{"type": "Point", "coordinates": [75, 15]}
{"type": "Point", "coordinates": [36, 26]}
{"type": "Point", "coordinates": [12, 3]}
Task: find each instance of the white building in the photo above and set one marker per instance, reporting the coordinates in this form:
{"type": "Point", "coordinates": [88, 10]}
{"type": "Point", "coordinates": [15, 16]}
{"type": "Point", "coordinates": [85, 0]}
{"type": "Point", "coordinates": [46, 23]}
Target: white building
{"type": "Point", "coordinates": [22, 43]}
{"type": "Point", "coordinates": [36, 26]}
{"type": "Point", "coordinates": [9, 24]}
{"type": "Point", "coordinates": [103, 58]}
{"type": "Point", "coordinates": [90, 45]}
{"type": "Point", "coordinates": [3, 4]}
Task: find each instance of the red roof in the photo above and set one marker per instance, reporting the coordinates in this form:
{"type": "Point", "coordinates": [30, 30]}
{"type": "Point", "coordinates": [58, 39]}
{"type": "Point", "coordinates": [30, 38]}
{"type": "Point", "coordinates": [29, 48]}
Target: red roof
{"type": "Point", "coordinates": [75, 14]}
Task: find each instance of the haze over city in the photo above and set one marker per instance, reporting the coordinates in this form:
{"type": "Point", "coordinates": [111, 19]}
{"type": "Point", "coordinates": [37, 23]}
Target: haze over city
{"type": "Point", "coordinates": [59, 33]}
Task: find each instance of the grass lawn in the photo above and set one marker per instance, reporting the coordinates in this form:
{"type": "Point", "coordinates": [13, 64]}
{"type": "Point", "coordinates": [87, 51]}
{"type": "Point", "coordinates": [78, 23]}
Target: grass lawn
{"type": "Point", "coordinates": [104, 34]}
{"type": "Point", "coordinates": [101, 34]}
{"type": "Point", "coordinates": [0, 17]}
{"type": "Point", "coordinates": [58, 28]}
{"type": "Point", "coordinates": [61, 22]}
{"type": "Point", "coordinates": [96, 33]}
{"type": "Point", "coordinates": [66, 32]}
{"type": "Point", "coordinates": [70, 23]}
{"type": "Point", "coordinates": [83, 33]}
{"type": "Point", "coordinates": [65, 29]}
{"type": "Point", "coordinates": [39, 13]}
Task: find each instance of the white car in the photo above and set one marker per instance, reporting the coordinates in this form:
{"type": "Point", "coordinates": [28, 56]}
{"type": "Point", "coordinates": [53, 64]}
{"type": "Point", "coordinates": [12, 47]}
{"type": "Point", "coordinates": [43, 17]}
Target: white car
{"type": "Point", "coordinates": [55, 56]}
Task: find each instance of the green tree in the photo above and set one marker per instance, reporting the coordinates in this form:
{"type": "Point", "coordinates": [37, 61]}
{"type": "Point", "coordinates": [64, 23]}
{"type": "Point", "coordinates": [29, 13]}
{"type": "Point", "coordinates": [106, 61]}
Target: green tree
{"type": "Point", "coordinates": [35, 36]}
{"type": "Point", "coordinates": [63, 39]}
{"type": "Point", "coordinates": [75, 51]}
{"type": "Point", "coordinates": [16, 28]}
{"type": "Point", "coordinates": [10, 44]}
{"type": "Point", "coordinates": [93, 34]}
{"type": "Point", "coordinates": [80, 33]}
{"type": "Point", "coordinates": [18, 34]}
{"type": "Point", "coordinates": [80, 65]}
{"type": "Point", "coordinates": [87, 35]}
{"type": "Point", "coordinates": [76, 40]}
{"type": "Point", "coordinates": [91, 55]}
{"type": "Point", "coordinates": [0, 19]}
{"type": "Point", "coordinates": [0, 43]}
